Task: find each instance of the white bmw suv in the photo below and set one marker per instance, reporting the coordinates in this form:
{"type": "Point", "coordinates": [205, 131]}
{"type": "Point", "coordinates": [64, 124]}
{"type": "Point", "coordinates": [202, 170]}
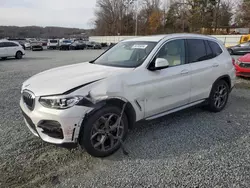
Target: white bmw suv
{"type": "Point", "coordinates": [11, 49]}
{"type": "Point", "coordinates": [95, 103]}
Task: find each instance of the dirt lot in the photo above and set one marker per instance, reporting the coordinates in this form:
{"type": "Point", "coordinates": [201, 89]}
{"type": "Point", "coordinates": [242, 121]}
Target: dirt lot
{"type": "Point", "coordinates": [192, 148]}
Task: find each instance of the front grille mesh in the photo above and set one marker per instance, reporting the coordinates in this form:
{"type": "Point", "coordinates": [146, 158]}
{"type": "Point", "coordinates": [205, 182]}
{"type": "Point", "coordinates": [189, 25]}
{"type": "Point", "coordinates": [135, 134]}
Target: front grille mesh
{"type": "Point", "coordinates": [245, 65]}
{"type": "Point", "coordinates": [29, 100]}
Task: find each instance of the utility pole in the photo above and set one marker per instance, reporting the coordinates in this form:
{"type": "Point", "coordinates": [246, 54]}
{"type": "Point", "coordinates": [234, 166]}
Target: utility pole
{"type": "Point", "coordinates": [136, 5]}
{"type": "Point", "coordinates": [136, 16]}
{"type": "Point", "coordinates": [183, 21]}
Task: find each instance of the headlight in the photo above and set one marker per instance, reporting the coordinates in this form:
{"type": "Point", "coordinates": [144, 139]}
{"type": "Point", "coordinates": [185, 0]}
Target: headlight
{"type": "Point", "coordinates": [59, 102]}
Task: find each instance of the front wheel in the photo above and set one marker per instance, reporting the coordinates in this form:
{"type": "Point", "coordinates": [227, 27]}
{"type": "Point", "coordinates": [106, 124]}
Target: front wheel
{"type": "Point", "coordinates": [103, 131]}
{"type": "Point", "coordinates": [19, 55]}
{"type": "Point", "coordinates": [218, 96]}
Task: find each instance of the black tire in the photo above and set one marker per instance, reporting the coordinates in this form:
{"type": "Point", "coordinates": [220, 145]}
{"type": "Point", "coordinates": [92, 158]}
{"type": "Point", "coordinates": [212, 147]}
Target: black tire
{"type": "Point", "coordinates": [87, 132]}
{"type": "Point", "coordinates": [19, 55]}
{"type": "Point", "coordinates": [3, 58]}
{"type": "Point", "coordinates": [217, 95]}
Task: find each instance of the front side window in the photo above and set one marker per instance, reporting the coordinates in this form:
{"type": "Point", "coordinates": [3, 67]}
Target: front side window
{"type": "Point", "coordinates": [174, 52]}
{"type": "Point", "coordinates": [196, 50]}
{"type": "Point", "coordinates": [126, 54]}
{"type": "Point", "coordinates": [1, 44]}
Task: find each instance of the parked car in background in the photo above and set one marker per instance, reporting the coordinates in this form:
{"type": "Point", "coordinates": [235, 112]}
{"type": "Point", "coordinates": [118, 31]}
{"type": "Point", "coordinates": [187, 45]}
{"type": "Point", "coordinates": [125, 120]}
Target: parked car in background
{"type": "Point", "coordinates": [77, 45]}
{"type": "Point", "coordinates": [11, 49]}
{"type": "Point", "coordinates": [242, 66]}
{"type": "Point", "coordinates": [64, 44]}
{"type": "Point", "coordinates": [240, 49]}
{"type": "Point", "coordinates": [104, 44]}
{"type": "Point", "coordinates": [93, 45]}
{"type": "Point", "coordinates": [27, 45]}
{"type": "Point", "coordinates": [44, 42]}
{"type": "Point", "coordinates": [95, 103]}
{"type": "Point", "coordinates": [36, 46]}
{"type": "Point", "coordinates": [52, 44]}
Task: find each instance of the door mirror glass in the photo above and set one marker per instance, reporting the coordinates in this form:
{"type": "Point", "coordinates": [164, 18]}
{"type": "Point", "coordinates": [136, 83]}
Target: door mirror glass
{"type": "Point", "coordinates": [161, 63]}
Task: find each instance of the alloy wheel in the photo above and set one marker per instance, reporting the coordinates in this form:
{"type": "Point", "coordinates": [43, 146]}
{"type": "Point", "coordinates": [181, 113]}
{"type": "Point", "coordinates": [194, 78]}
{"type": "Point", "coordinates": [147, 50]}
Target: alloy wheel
{"type": "Point", "coordinates": [220, 96]}
{"type": "Point", "coordinates": [107, 132]}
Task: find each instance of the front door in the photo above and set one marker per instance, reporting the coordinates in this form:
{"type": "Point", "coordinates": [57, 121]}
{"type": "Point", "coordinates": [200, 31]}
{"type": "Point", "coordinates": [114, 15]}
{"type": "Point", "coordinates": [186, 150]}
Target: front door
{"type": "Point", "coordinates": [168, 88]}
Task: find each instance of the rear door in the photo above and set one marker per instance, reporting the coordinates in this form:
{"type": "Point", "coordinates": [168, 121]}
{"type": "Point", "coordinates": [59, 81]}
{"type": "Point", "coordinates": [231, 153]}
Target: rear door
{"type": "Point", "coordinates": [204, 68]}
{"type": "Point", "coordinates": [11, 48]}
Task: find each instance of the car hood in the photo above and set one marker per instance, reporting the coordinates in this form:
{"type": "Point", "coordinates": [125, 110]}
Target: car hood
{"type": "Point", "coordinates": [245, 58]}
{"type": "Point", "coordinates": [62, 79]}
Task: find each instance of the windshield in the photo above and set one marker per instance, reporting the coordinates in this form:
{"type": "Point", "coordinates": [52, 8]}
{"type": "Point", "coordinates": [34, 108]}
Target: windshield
{"type": "Point", "coordinates": [126, 54]}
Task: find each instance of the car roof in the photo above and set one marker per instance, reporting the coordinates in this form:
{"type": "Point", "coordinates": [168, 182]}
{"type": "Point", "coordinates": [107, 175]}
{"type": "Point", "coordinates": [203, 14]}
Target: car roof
{"type": "Point", "coordinates": [3, 40]}
{"type": "Point", "coordinates": [157, 38]}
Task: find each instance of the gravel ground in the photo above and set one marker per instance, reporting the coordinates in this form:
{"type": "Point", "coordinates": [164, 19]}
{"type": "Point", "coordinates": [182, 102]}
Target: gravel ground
{"type": "Point", "coordinates": [192, 148]}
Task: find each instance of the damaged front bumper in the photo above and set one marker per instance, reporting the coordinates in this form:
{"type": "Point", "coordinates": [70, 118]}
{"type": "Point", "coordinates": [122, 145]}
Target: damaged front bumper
{"type": "Point", "coordinates": [55, 126]}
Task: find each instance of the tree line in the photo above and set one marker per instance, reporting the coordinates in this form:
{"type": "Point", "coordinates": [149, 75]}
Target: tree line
{"type": "Point", "coordinates": [127, 17]}
{"type": "Point", "coordinates": [40, 32]}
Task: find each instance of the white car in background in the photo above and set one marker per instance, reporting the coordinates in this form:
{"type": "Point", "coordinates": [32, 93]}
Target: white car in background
{"type": "Point", "coordinates": [27, 45]}
{"type": "Point", "coordinates": [52, 44]}
{"type": "Point", "coordinates": [95, 103]}
{"type": "Point", "coordinates": [11, 49]}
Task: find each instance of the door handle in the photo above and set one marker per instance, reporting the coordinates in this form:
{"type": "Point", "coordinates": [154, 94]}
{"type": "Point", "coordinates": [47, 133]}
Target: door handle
{"type": "Point", "coordinates": [184, 72]}
{"type": "Point", "coordinates": [215, 65]}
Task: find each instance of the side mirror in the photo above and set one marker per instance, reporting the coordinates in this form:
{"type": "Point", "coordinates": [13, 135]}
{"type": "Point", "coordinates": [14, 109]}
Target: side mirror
{"type": "Point", "coordinates": [160, 63]}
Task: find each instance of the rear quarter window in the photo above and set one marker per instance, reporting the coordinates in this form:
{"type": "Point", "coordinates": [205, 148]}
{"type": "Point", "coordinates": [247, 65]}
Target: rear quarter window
{"type": "Point", "coordinates": [215, 48]}
{"type": "Point", "coordinates": [10, 44]}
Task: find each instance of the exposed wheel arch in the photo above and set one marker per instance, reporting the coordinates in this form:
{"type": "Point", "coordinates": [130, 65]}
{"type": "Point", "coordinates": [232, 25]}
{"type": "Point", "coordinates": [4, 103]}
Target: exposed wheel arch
{"type": "Point", "coordinates": [129, 110]}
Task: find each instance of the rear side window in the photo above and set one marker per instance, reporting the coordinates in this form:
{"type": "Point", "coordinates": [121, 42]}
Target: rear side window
{"type": "Point", "coordinates": [53, 41]}
{"type": "Point", "coordinates": [1, 45]}
{"type": "Point", "coordinates": [215, 47]}
{"type": "Point", "coordinates": [196, 50]}
{"type": "Point", "coordinates": [10, 44]}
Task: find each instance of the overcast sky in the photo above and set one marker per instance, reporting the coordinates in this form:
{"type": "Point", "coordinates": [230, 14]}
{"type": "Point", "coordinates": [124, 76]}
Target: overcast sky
{"type": "Point", "coordinates": [64, 13]}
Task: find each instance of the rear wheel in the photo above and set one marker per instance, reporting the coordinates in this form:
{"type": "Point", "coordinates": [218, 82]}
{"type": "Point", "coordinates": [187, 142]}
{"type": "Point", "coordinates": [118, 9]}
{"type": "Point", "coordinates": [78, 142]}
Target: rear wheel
{"type": "Point", "coordinates": [101, 133]}
{"type": "Point", "coordinates": [218, 96]}
{"type": "Point", "coordinates": [19, 55]}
